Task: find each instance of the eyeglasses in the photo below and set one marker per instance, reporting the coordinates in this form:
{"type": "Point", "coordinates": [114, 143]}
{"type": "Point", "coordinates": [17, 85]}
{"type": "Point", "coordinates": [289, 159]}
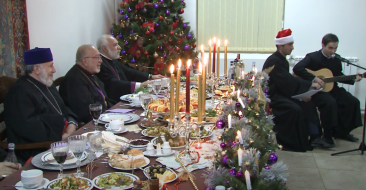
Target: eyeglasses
{"type": "Point", "coordinates": [98, 58]}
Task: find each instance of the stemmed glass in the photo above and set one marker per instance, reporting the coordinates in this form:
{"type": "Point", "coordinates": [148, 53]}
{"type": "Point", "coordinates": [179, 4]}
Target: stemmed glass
{"type": "Point", "coordinates": [156, 86]}
{"type": "Point", "coordinates": [95, 111]}
{"type": "Point", "coordinates": [77, 145]}
{"type": "Point", "coordinates": [145, 99]}
{"type": "Point", "coordinates": [59, 152]}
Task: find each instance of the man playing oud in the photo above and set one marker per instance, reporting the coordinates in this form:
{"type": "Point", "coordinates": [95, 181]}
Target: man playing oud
{"type": "Point", "coordinates": [347, 116]}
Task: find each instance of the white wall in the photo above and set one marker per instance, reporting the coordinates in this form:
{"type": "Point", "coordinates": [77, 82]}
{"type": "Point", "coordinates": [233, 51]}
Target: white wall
{"type": "Point", "coordinates": [65, 25]}
{"type": "Point", "coordinates": [310, 20]}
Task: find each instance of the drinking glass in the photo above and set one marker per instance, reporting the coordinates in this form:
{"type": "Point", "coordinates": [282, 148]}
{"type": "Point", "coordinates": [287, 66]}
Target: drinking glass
{"type": "Point", "coordinates": [95, 111]}
{"type": "Point", "coordinates": [145, 99]}
{"type": "Point", "coordinates": [156, 86]}
{"type": "Point", "coordinates": [77, 145]}
{"type": "Point", "coordinates": [59, 152]}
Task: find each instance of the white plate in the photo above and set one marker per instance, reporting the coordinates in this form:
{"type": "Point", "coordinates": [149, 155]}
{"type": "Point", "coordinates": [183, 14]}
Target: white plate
{"type": "Point", "coordinates": [45, 181]}
{"type": "Point", "coordinates": [138, 146]}
{"type": "Point", "coordinates": [159, 155]}
{"type": "Point", "coordinates": [155, 144]}
{"type": "Point", "coordinates": [107, 117]}
{"type": "Point", "coordinates": [133, 177]}
{"type": "Point", "coordinates": [48, 156]}
{"type": "Point", "coordinates": [126, 97]}
{"type": "Point", "coordinates": [90, 183]}
{"type": "Point", "coordinates": [147, 160]}
{"type": "Point", "coordinates": [148, 176]}
{"type": "Point", "coordinates": [143, 132]}
{"type": "Point", "coordinates": [120, 131]}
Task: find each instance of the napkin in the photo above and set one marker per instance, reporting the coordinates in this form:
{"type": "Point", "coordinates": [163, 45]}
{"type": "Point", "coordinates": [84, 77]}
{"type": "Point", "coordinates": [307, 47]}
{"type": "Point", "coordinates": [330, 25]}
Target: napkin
{"type": "Point", "coordinates": [121, 111]}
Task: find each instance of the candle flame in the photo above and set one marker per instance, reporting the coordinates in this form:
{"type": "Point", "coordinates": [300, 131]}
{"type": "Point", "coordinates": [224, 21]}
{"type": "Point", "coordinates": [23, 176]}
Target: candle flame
{"type": "Point", "coordinates": [218, 42]}
{"type": "Point", "coordinates": [189, 62]}
{"type": "Point", "coordinates": [200, 67]}
{"type": "Point", "coordinates": [209, 42]}
{"type": "Point", "coordinates": [214, 40]}
{"type": "Point", "coordinates": [225, 42]}
{"type": "Point", "coordinates": [179, 63]}
{"type": "Point", "coordinates": [172, 69]}
{"type": "Point", "coordinates": [202, 48]}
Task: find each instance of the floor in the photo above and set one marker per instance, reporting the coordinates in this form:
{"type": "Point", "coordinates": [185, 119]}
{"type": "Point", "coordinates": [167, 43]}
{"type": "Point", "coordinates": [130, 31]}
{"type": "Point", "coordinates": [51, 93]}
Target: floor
{"type": "Point", "coordinates": [318, 170]}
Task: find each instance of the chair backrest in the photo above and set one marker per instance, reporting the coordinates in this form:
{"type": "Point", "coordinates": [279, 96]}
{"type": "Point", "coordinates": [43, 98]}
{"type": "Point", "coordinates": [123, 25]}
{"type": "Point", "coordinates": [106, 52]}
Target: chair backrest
{"type": "Point", "coordinates": [58, 81]}
{"type": "Point", "coordinates": [5, 84]}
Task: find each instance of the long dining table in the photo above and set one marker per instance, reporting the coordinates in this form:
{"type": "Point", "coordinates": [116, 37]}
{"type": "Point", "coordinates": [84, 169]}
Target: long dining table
{"type": "Point", "coordinates": [102, 168]}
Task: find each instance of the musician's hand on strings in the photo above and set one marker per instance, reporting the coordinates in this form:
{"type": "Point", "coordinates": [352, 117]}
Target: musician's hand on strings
{"type": "Point", "coordinates": [358, 78]}
{"type": "Point", "coordinates": [306, 99]}
{"type": "Point", "coordinates": [315, 86]}
{"type": "Point", "coordinates": [319, 81]}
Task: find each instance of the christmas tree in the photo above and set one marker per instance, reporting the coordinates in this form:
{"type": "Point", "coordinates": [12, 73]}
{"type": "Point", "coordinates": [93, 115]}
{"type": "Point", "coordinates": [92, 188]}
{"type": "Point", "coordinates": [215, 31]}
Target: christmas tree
{"type": "Point", "coordinates": [250, 143]}
{"type": "Point", "coordinates": [152, 33]}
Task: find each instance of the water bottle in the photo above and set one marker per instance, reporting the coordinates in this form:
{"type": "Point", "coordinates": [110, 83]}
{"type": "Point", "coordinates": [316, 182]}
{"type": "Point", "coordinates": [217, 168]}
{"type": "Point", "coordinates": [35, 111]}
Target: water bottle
{"type": "Point", "coordinates": [253, 66]}
{"type": "Point", "coordinates": [231, 73]}
{"type": "Point", "coordinates": [11, 154]}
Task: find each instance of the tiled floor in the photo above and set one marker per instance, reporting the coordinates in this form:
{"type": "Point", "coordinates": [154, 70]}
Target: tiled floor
{"type": "Point", "coordinates": [318, 170]}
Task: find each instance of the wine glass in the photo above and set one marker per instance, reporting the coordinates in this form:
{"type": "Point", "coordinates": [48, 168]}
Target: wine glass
{"type": "Point", "coordinates": [95, 111]}
{"type": "Point", "coordinates": [59, 152]}
{"type": "Point", "coordinates": [156, 86]}
{"type": "Point", "coordinates": [145, 99]}
{"type": "Point", "coordinates": [77, 145]}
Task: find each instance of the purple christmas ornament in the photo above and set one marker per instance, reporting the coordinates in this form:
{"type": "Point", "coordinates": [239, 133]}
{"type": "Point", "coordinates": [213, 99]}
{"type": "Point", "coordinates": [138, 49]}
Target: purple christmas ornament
{"type": "Point", "coordinates": [132, 32]}
{"type": "Point", "coordinates": [222, 145]}
{"type": "Point", "coordinates": [184, 25]}
{"type": "Point", "coordinates": [126, 42]}
{"type": "Point", "coordinates": [237, 104]}
{"type": "Point", "coordinates": [156, 24]}
{"type": "Point", "coordinates": [232, 171]}
{"type": "Point", "coordinates": [167, 12]}
{"type": "Point", "coordinates": [182, 1]}
{"type": "Point", "coordinates": [129, 9]}
{"type": "Point", "coordinates": [267, 167]}
{"type": "Point", "coordinates": [186, 47]}
{"type": "Point", "coordinates": [119, 36]}
{"type": "Point", "coordinates": [161, 1]}
{"type": "Point", "coordinates": [112, 35]}
{"type": "Point", "coordinates": [272, 158]}
{"type": "Point", "coordinates": [239, 174]}
{"type": "Point", "coordinates": [164, 55]}
{"type": "Point", "coordinates": [189, 36]}
{"type": "Point", "coordinates": [220, 124]}
{"type": "Point", "coordinates": [156, 6]}
{"type": "Point", "coordinates": [133, 60]}
{"type": "Point", "coordinates": [234, 143]}
{"type": "Point", "coordinates": [126, 16]}
{"type": "Point", "coordinates": [123, 52]}
{"type": "Point", "coordinates": [224, 160]}
{"type": "Point", "coordinates": [121, 12]}
{"type": "Point", "coordinates": [153, 31]}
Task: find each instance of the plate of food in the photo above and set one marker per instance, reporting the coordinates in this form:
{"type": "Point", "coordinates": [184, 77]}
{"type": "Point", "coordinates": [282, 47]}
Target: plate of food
{"type": "Point", "coordinates": [107, 117]}
{"type": "Point", "coordinates": [153, 154]}
{"type": "Point", "coordinates": [154, 131]}
{"type": "Point", "coordinates": [204, 134]}
{"type": "Point", "coordinates": [162, 106]}
{"type": "Point", "coordinates": [152, 123]}
{"type": "Point", "coordinates": [115, 180]}
{"type": "Point", "coordinates": [175, 143]}
{"type": "Point", "coordinates": [139, 143]}
{"type": "Point", "coordinates": [71, 182]}
{"type": "Point", "coordinates": [48, 158]}
{"type": "Point", "coordinates": [134, 159]}
{"type": "Point", "coordinates": [165, 175]}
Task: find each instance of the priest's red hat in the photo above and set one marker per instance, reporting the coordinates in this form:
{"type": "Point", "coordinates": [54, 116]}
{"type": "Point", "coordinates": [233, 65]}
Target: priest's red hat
{"type": "Point", "coordinates": [284, 37]}
{"type": "Point", "coordinates": [37, 56]}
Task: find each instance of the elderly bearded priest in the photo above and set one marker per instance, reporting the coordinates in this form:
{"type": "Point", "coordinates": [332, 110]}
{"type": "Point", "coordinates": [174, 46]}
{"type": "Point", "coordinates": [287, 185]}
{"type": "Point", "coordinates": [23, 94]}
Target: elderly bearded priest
{"type": "Point", "coordinates": [34, 110]}
{"type": "Point", "coordinates": [117, 78]}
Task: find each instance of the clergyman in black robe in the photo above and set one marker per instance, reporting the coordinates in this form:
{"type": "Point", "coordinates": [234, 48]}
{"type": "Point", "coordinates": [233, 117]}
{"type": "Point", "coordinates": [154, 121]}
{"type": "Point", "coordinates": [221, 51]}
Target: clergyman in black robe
{"type": "Point", "coordinates": [345, 114]}
{"type": "Point", "coordinates": [290, 128]}
{"type": "Point", "coordinates": [81, 87]}
{"type": "Point", "coordinates": [33, 109]}
{"type": "Point", "coordinates": [117, 78]}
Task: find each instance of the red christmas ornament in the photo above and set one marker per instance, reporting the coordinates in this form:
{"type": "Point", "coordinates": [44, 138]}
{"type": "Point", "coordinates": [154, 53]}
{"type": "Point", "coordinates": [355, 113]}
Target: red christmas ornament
{"type": "Point", "coordinates": [147, 32]}
{"type": "Point", "coordinates": [177, 48]}
{"type": "Point", "coordinates": [194, 45]}
{"type": "Point", "coordinates": [171, 33]}
{"type": "Point", "coordinates": [145, 52]}
{"type": "Point", "coordinates": [181, 11]}
{"type": "Point", "coordinates": [160, 17]}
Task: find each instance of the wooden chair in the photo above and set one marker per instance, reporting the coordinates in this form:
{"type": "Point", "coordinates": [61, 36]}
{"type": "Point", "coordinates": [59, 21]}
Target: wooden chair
{"type": "Point", "coordinates": [5, 84]}
{"type": "Point", "coordinates": [58, 81]}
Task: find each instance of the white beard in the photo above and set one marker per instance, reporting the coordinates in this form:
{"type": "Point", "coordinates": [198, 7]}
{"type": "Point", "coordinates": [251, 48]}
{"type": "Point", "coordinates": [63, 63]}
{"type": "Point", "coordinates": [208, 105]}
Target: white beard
{"type": "Point", "coordinates": [44, 77]}
{"type": "Point", "coordinates": [114, 55]}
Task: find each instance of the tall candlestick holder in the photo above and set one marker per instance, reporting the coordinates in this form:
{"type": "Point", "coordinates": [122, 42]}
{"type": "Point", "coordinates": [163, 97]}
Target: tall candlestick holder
{"type": "Point", "coordinates": [172, 129]}
{"type": "Point", "coordinates": [186, 156]}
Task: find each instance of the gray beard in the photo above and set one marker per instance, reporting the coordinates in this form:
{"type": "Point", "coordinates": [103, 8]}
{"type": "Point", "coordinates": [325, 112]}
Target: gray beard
{"type": "Point", "coordinates": [43, 77]}
{"type": "Point", "coordinates": [114, 55]}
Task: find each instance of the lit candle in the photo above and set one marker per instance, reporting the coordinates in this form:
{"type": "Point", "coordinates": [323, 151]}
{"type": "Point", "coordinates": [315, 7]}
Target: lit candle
{"type": "Point", "coordinates": [209, 58]}
{"type": "Point", "coordinates": [238, 94]}
{"type": "Point", "coordinates": [214, 55]}
{"type": "Point", "coordinates": [188, 88]}
{"type": "Point", "coordinates": [171, 93]}
{"type": "Point", "coordinates": [199, 94]}
{"type": "Point", "coordinates": [202, 53]}
{"type": "Point", "coordinates": [218, 59]}
{"type": "Point", "coordinates": [247, 180]}
{"type": "Point", "coordinates": [204, 85]}
{"type": "Point", "coordinates": [240, 137]}
{"type": "Point", "coordinates": [243, 74]}
{"type": "Point", "coordinates": [225, 58]}
{"type": "Point", "coordinates": [241, 102]}
{"type": "Point", "coordinates": [233, 93]}
{"type": "Point", "coordinates": [178, 88]}
{"type": "Point", "coordinates": [229, 120]}
{"type": "Point", "coordinates": [240, 156]}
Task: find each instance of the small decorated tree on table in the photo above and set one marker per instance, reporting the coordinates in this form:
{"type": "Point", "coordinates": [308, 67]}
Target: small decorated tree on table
{"type": "Point", "coordinates": [249, 143]}
{"type": "Point", "coordinates": [152, 33]}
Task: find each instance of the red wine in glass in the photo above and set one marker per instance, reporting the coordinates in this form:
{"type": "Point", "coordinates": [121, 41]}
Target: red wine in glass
{"type": "Point", "coordinates": [95, 112]}
{"type": "Point", "coordinates": [60, 157]}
